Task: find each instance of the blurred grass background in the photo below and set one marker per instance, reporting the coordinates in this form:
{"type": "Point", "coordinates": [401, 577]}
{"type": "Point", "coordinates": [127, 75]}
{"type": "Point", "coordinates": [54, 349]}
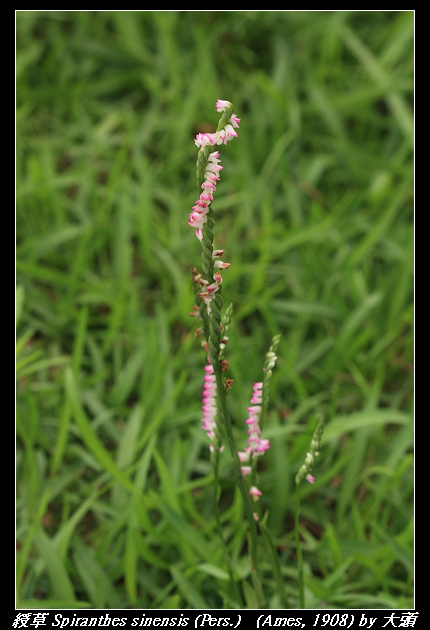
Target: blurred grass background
{"type": "Point", "coordinates": [315, 212]}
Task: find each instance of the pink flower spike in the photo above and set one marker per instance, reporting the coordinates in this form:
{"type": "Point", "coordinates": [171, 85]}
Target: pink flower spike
{"type": "Point", "coordinates": [255, 493]}
{"type": "Point", "coordinates": [209, 409]}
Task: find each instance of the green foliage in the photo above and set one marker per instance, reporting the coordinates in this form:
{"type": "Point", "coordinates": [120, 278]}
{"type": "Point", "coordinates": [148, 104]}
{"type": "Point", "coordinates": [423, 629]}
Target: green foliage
{"type": "Point", "coordinates": [315, 212]}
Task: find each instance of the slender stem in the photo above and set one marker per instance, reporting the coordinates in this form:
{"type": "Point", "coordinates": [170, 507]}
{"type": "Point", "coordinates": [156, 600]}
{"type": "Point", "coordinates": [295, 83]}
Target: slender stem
{"type": "Point", "coordinates": [276, 566]}
{"type": "Point", "coordinates": [299, 548]}
{"type": "Point", "coordinates": [220, 534]}
{"type": "Point", "coordinates": [242, 487]}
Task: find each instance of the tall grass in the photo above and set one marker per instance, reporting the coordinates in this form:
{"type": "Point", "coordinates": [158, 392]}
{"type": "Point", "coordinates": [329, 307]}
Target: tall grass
{"type": "Point", "coordinates": [114, 480]}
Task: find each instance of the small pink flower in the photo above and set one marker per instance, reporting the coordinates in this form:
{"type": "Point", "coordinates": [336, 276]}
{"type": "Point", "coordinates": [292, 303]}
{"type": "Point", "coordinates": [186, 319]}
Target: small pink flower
{"type": "Point", "coordinates": [221, 265]}
{"type": "Point", "coordinates": [246, 470]}
{"type": "Point", "coordinates": [244, 455]}
{"type": "Point", "coordinates": [254, 409]}
{"type": "Point", "coordinates": [207, 298]}
{"type": "Point", "coordinates": [221, 137]}
{"type": "Point", "coordinates": [230, 131]}
{"type": "Point", "coordinates": [310, 478]}
{"type": "Point", "coordinates": [257, 397]}
{"type": "Point", "coordinates": [253, 442]}
{"type": "Point", "coordinates": [222, 105]}
{"type": "Point", "coordinates": [211, 178]}
{"type": "Point", "coordinates": [254, 431]}
{"type": "Point", "coordinates": [212, 165]}
{"type": "Point", "coordinates": [197, 220]}
{"type": "Point", "coordinates": [212, 172]}
{"type": "Point", "coordinates": [201, 203]}
{"type": "Point", "coordinates": [207, 184]}
{"type": "Point", "coordinates": [205, 139]}
{"type": "Point", "coordinates": [255, 493]}
{"type": "Point", "coordinates": [263, 445]}
{"type": "Point", "coordinates": [225, 134]}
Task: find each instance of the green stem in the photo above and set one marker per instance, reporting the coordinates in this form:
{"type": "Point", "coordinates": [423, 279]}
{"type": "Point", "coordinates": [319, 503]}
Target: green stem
{"type": "Point", "coordinates": [220, 533]}
{"type": "Point", "coordinates": [276, 566]}
{"type": "Point", "coordinates": [299, 548]}
{"type": "Point", "coordinates": [242, 487]}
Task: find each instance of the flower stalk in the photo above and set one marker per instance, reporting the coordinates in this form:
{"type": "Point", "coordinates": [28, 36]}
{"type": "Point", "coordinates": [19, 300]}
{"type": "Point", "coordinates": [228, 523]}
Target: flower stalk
{"type": "Point", "coordinates": [256, 445]}
{"type": "Point", "coordinates": [304, 472]}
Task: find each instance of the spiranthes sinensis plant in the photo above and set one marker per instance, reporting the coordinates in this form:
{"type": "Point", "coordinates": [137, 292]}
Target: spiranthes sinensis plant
{"type": "Point", "coordinates": [214, 326]}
